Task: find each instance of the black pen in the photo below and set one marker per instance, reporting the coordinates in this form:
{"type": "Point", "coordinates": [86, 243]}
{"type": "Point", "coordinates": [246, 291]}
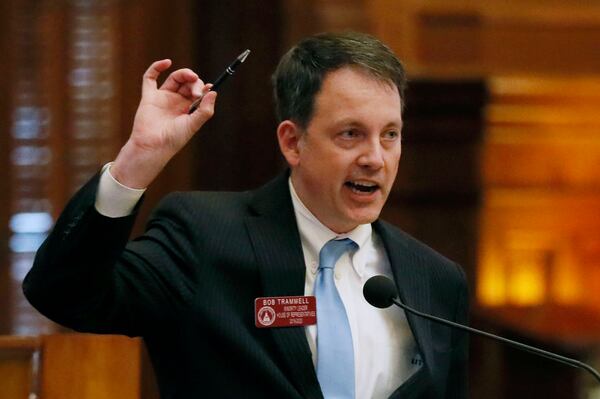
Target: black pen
{"type": "Point", "coordinates": [228, 72]}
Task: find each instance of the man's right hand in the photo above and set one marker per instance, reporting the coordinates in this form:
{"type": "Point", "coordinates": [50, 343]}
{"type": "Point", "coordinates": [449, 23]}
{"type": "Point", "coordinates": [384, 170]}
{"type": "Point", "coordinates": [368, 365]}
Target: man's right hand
{"type": "Point", "coordinates": [162, 125]}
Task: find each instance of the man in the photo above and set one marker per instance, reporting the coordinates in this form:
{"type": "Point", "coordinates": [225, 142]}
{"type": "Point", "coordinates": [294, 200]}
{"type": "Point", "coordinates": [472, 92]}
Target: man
{"type": "Point", "coordinates": [189, 283]}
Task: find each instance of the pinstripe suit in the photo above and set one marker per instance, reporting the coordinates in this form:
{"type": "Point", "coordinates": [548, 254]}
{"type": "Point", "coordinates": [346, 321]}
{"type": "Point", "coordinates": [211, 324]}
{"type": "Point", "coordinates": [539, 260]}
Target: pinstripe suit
{"type": "Point", "coordinates": [188, 284]}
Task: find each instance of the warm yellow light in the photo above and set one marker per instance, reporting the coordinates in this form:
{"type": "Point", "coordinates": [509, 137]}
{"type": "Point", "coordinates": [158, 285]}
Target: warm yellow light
{"type": "Point", "coordinates": [491, 289]}
{"type": "Point", "coordinates": [527, 280]}
{"type": "Point", "coordinates": [566, 282]}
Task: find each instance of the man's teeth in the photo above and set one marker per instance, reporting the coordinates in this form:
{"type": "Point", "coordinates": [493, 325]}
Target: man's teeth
{"type": "Point", "coordinates": [362, 186]}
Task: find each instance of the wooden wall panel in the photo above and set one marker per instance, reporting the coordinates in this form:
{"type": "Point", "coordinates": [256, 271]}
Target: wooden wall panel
{"type": "Point", "coordinates": [141, 40]}
{"type": "Point", "coordinates": [542, 183]}
{"type": "Point", "coordinates": [437, 193]}
{"type": "Point", "coordinates": [7, 66]}
{"type": "Point", "coordinates": [306, 17]}
{"type": "Point", "coordinates": [539, 252]}
{"type": "Point", "coordinates": [543, 133]}
{"type": "Point", "coordinates": [237, 149]}
{"type": "Point", "coordinates": [463, 38]}
{"type": "Point", "coordinates": [561, 40]}
{"type": "Point", "coordinates": [449, 39]}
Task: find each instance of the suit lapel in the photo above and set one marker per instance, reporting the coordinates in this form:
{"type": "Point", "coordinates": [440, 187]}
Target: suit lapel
{"type": "Point", "coordinates": [274, 235]}
{"type": "Point", "coordinates": [413, 286]}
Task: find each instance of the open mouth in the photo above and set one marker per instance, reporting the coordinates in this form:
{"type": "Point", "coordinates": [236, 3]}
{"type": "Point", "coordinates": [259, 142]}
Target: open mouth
{"type": "Point", "coordinates": [362, 187]}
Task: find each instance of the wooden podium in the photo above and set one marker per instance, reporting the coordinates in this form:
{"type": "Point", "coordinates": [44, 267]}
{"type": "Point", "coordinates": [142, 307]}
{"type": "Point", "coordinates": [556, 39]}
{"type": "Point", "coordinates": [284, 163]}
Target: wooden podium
{"type": "Point", "coordinates": [69, 366]}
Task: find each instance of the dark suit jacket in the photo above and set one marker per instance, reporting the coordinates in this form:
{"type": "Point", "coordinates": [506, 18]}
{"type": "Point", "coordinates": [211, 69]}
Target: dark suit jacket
{"type": "Point", "coordinates": [188, 287]}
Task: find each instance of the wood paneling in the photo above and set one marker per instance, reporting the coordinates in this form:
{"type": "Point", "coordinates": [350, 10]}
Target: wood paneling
{"type": "Point", "coordinates": [439, 38]}
{"type": "Point", "coordinates": [539, 254]}
{"type": "Point", "coordinates": [140, 40]}
{"type": "Point", "coordinates": [302, 18]}
{"type": "Point", "coordinates": [237, 149]}
{"type": "Point", "coordinates": [437, 193]}
{"type": "Point", "coordinates": [542, 193]}
{"type": "Point", "coordinates": [7, 66]}
{"type": "Point", "coordinates": [546, 130]}
{"type": "Point", "coordinates": [451, 39]}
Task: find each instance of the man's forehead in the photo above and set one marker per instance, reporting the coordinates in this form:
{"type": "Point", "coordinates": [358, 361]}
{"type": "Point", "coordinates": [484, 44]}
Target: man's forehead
{"type": "Point", "coordinates": [346, 92]}
{"type": "Point", "coordinates": [364, 72]}
{"type": "Point", "coordinates": [349, 83]}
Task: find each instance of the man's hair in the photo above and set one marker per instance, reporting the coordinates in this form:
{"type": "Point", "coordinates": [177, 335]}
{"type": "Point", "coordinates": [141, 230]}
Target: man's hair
{"type": "Point", "coordinates": [300, 73]}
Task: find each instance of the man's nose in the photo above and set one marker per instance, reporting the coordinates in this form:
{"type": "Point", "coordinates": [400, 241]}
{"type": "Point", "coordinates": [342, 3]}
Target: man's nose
{"type": "Point", "coordinates": [372, 155]}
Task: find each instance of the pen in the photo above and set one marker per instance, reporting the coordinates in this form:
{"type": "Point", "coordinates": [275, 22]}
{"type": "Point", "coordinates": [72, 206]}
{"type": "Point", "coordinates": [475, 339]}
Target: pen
{"type": "Point", "coordinates": [228, 72]}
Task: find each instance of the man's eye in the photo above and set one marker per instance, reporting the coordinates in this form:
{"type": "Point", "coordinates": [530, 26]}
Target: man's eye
{"type": "Point", "coordinates": [349, 134]}
{"type": "Point", "coordinates": [391, 135]}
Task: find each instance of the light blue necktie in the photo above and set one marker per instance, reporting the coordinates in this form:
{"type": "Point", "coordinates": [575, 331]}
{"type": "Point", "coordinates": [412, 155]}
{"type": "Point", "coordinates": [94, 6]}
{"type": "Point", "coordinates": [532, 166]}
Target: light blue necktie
{"type": "Point", "coordinates": [335, 353]}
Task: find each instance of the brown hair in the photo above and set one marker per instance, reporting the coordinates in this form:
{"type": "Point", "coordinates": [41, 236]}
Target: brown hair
{"type": "Point", "coordinates": [301, 70]}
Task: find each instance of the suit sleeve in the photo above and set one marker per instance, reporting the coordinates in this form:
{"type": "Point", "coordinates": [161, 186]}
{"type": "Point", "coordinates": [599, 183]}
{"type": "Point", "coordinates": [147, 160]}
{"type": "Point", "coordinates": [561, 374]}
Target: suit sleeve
{"type": "Point", "coordinates": [87, 276]}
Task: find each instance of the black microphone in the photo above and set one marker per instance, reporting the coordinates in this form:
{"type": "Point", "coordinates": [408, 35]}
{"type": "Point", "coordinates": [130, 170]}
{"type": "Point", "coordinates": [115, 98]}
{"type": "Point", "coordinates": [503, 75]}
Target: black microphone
{"type": "Point", "coordinates": [381, 292]}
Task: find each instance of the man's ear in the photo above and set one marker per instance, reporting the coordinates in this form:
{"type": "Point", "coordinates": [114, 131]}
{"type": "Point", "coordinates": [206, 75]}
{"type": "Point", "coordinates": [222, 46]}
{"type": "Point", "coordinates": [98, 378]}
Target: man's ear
{"type": "Point", "coordinates": [288, 135]}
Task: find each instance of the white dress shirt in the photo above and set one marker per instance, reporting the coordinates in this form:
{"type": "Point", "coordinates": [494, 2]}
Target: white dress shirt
{"type": "Point", "coordinates": [385, 352]}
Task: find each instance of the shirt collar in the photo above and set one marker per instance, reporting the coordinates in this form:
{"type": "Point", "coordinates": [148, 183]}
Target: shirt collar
{"type": "Point", "coordinates": [315, 234]}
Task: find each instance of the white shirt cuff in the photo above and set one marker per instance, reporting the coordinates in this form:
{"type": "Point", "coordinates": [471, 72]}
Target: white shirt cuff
{"type": "Point", "coordinates": [113, 199]}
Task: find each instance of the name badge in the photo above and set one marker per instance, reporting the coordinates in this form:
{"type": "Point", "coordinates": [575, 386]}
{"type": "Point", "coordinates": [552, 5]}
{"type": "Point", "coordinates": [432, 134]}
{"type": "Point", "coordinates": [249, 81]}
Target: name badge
{"type": "Point", "coordinates": [285, 311]}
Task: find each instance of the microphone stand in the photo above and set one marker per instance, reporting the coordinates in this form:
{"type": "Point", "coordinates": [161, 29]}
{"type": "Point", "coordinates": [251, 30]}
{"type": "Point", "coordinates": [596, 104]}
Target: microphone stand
{"type": "Point", "coordinates": [515, 344]}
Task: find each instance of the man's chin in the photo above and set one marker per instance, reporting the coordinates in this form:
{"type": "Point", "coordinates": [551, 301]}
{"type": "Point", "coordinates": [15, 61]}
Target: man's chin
{"type": "Point", "coordinates": [365, 216]}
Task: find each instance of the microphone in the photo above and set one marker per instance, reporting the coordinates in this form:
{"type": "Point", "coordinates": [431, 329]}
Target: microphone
{"type": "Point", "coordinates": [381, 292]}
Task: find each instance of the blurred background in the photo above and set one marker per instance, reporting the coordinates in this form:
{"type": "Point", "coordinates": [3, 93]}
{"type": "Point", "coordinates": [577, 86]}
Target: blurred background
{"type": "Point", "coordinates": [500, 167]}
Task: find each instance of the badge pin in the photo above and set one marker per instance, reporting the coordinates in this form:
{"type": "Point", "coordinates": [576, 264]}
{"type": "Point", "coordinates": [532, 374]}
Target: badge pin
{"type": "Point", "coordinates": [285, 311]}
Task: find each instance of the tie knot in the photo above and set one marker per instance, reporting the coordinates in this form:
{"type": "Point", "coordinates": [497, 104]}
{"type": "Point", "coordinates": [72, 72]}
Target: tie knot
{"type": "Point", "coordinates": [333, 250]}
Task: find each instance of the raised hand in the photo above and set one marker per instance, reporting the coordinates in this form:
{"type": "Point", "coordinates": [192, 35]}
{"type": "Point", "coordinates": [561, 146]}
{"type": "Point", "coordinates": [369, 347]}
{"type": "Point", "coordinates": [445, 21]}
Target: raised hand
{"type": "Point", "coordinates": [162, 126]}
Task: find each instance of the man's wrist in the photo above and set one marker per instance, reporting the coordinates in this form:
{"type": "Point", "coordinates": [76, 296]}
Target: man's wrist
{"type": "Point", "coordinates": [136, 167]}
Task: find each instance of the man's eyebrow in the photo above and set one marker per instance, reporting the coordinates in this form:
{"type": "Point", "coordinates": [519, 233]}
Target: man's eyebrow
{"type": "Point", "coordinates": [398, 124]}
{"type": "Point", "coordinates": [349, 121]}
{"type": "Point", "coordinates": [352, 122]}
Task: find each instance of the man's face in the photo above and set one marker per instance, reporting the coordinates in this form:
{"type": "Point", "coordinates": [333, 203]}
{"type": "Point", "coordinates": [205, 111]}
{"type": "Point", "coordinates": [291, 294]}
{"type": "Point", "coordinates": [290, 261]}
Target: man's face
{"type": "Point", "coordinates": [344, 163]}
